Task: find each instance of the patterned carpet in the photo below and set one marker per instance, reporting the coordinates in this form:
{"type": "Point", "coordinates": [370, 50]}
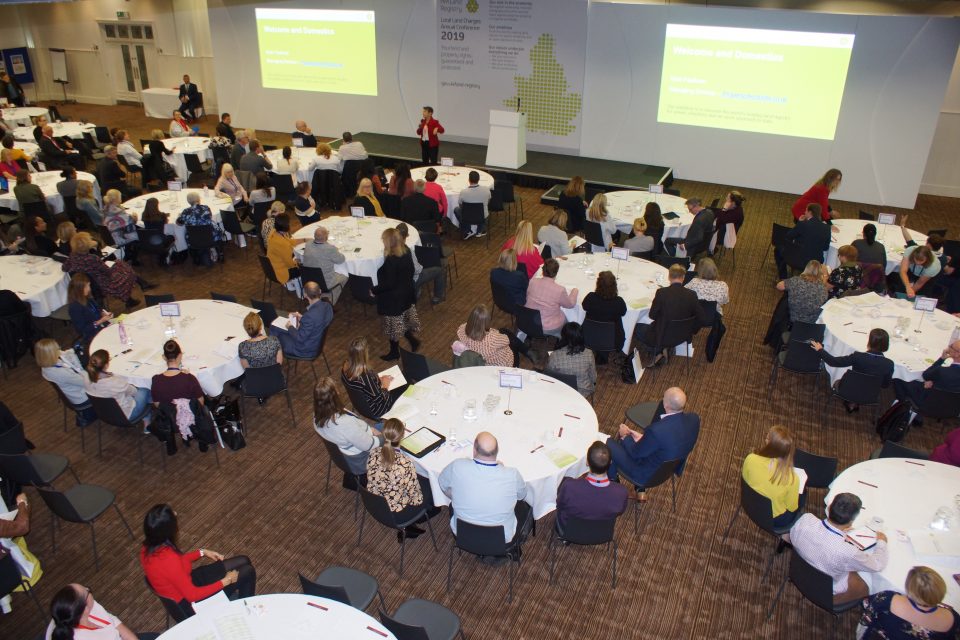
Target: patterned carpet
{"type": "Point", "coordinates": [677, 579]}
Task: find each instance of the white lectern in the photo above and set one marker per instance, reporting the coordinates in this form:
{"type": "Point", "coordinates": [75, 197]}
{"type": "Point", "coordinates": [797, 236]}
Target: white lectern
{"type": "Point", "coordinates": [507, 146]}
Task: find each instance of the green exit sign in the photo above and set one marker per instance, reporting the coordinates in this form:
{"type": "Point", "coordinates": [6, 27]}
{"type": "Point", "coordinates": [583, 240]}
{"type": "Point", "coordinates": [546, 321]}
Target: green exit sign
{"type": "Point", "coordinates": [123, 15]}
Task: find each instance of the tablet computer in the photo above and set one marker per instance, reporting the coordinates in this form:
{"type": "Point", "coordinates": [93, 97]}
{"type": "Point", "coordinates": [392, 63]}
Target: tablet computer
{"type": "Point", "coordinates": [670, 215]}
{"type": "Point", "coordinates": [421, 442]}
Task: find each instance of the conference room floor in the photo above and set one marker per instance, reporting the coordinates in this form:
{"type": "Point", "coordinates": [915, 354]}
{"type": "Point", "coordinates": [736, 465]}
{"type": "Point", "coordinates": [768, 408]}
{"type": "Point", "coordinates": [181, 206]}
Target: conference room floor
{"type": "Point", "coordinates": [676, 580]}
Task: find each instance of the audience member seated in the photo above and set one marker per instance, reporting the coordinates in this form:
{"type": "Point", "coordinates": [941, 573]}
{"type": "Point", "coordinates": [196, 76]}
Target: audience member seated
{"type": "Point", "coordinates": [573, 200]}
{"type": "Point", "coordinates": [848, 275]}
{"type": "Point", "coordinates": [936, 375]}
{"type": "Point", "coordinates": [670, 436]}
{"type": "Point", "coordinates": [396, 294]}
{"type": "Point", "coordinates": [324, 255]}
{"type": "Point", "coordinates": [554, 235]}
{"type": "Point", "coordinates": [697, 239]}
{"type": "Point", "coordinates": [189, 97]}
{"type": "Point", "coordinates": [434, 191]}
{"type": "Point", "coordinates": [591, 496]}
{"type": "Point", "coordinates": [304, 333]}
{"type": "Point", "coordinates": [12, 531]}
{"type": "Point", "coordinates": [707, 286]}
{"type": "Point", "coordinates": [806, 293]}
{"type": "Point", "coordinates": [949, 451]}
{"type": "Point", "coordinates": [475, 193]}
{"type": "Point", "coordinates": [112, 175]}
{"type": "Point", "coordinates": [256, 159]}
{"type": "Point", "coordinates": [425, 275]}
{"type": "Point", "coordinates": [869, 251]}
{"type": "Point", "coordinates": [598, 213]}
{"type": "Point", "coordinates": [179, 128]}
{"type": "Point", "coordinates": [176, 383]}
{"type": "Point", "coordinates": [476, 335]}
{"type": "Point", "coordinates": [303, 132]}
{"type": "Point", "coordinates": [77, 616]}
{"type": "Point", "coordinates": [732, 211]}
{"type": "Point", "coordinates": [100, 383]}
{"type": "Point", "coordinates": [8, 142]}
{"type": "Point", "coordinates": [356, 375]}
{"type": "Point", "coordinates": [199, 215]}
{"type": "Point", "coordinates": [326, 159]}
{"type": "Point", "coordinates": [366, 199]}
{"type": "Point", "coordinates": [350, 149]}
{"type": "Point", "coordinates": [9, 166]}
{"type": "Point", "coordinates": [369, 171]}
{"type": "Point", "coordinates": [225, 129]}
{"type": "Point", "coordinates": [871, 362]}
{"type": "Point", "coordinates": [287, 165]}
{"type": "Point", "coordinates": [270, 222]}
{"type": "Point", "coordinates": [487, 493]}
{"type": "Point", "coordinates": [401, 184]}
{"type": "Point", "coordinates": [391, 474]}
{"type": "Point", "coordinates": [419, 207]}
{"type": "Point", "coordinates": [572, 358]}
{"type": "Point", "coordinates": [654, 219]}
{"type": "Point", "coordinates": [65, 232]}
{"type": "Point", "coordinates": [918, 267]}
{"type": "Point", "coordinates": [550, 298]}
{"type": "Point", "coordinates": [818, 194]}
{"type": "Point", "coordinates": [824, 545]}
{"type": "Point", "coordinates": [527, 252]}
{"type": "Point", "coordinates": [122, 225]}
{"type": "Point", "coordinates": [335, 424]}
{"type": "Point", "coordinates": [259, 350]}
{"type": "Point", "coordinates": [36, 241]}
{"type": "Point", "coordinates": [157, 160]}
{"type": "Point", "coordinates": [769, 471]}
{"type": "Point", "coordinates": [63, 369]}
{"type": "Point", "coordinates": [168, 570]}
{"type": "Point", "coordinates": [514, 281]}
{"type": "Point", "coordinates": [604, 304]}
{"type": "Point", "coordinates": [57, 153]}
{"type": "Point", "coordinates": [152, 217]}
{"type": "Point", "coordinates": [241, 148]}
{"type": "Point", "coordinates": [68, 186]}
{"type": "Point", "coordinates": [263, 191]}
{"type": "Point", "coordinates": [811, 236]}
{"type": "Point", "coordinates": [280, 247]}
{"type": "Point", "coordinates": [640, 242]}
{"type": "Point", "coordinates": [85, 314]}
{"type": "Point", "coordinates": [127, 151]}
{"type": "Point", "coordinates": [25, 191]}
{"type": "Point", "coordinates": [304, 206]}
{"type": "Point", "coordinates": [919, 613]}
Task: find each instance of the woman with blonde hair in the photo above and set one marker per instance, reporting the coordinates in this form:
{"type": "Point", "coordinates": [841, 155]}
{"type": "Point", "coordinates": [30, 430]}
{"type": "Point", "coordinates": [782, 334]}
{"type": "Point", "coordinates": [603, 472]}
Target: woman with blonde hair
{"type": "Point", "coordinates": [806, 293]}
{"type": "Point", "coordinates": [396, 295]}
{"type": "Point", "coordinates": [506, 276]}
{"type": "Point", "coordinates": [918, 613]}
{"type": "Point", "coordinates": [100, 383]}
{"type": "Point", "coordinates": [477, 335]}
{"type": "Point", "coordinates": [269, 223]}
{"type": "Point", "coordinates": [527, 253]}
{"type": "Point", "coordinates": [392, 475]}
{"type": "Point", "coordinates": [554, 234]}
{"type": "Point", "coordinates": [228, 186]}
{"type": "Point", "coordinates": [87, 204]}
{"type": "Point", "coordinates": [769, 472]}
{"type": "Point", "coordinates": [63, 369]}
{"type": "Point", "coordinates": [366, 199]}
{"type": "Point", "coordinates": [357, 376]}
{"type": "Point", "coordinates": [65, 232]}
{"type": "Point", "coordinates": [121, 225]}
{"type": "Point", "coordinates": [326, 158]}
{"type": "Point", "coordinates": [707, 284]}
{"type": "Point", "coordinates": [598, 213]}
{"type": "Point", "coordinates": [819, 194]}
{"type": "Point", "coordinates": [640, 242]}
{"type": "Point", "coordinates": [259, 350]}
{"type": "Point", "coordinates": [573, 200]}
{"type": "Point", "coordinates": [116, 281]}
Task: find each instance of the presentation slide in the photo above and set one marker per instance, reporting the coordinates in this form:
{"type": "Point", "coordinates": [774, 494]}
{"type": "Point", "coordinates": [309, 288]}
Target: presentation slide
{"type": "Point", "coordinates": [762, 80]}
{"type": "Point", "coordinates": [332, 51]}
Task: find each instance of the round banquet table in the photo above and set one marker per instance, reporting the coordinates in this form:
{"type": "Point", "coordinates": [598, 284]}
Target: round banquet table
{"type": "Point", "coordinates": [849, 321]}
{"type": "Point", "coordinates": [73, 130]}
{"type": "Point", "coordinates": [540, 409]}
{"type": "Point", "coordinates": [39, 281]}
{"type": "Point", "coordinates": [47, 181]}
{"type": "Point", "coordinates": [907, 495]}
{"type": "Point", "coordinates": [195, 145]}
{"type": "Point", "coordinates": [343, 234]}
{"type": "Point", "coordinates": [305, 157]}
{"type": "Point", "coordinates": [291, 616]}
{"type": "Point", "coordinates": [29, 148]}
{"type": "Point", "coordinates": [20, 116]}
{"type": "Point", "coordinates": [637, 283]}
{"type": "Point", "coordinates": [453, 180]}
{"type": "Point", "coordinates": [173, 203]}
{"type": "Point", "coordinates": [208, 332]}
{"type": "Point", "coordinates": [889, 235]}
{"type": "Point", "coordinates": [625, 206]}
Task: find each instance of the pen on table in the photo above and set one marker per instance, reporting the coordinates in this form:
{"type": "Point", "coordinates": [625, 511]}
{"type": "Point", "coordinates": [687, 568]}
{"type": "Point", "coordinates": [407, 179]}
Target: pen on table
{"type": "Point", "coordinates": [377, 631]}
{"type": "Point", "coordinates": [445, 382]}
{"type": "Point", "coordinates": [536, 449]}
{"type": "Point", "coordinates": [572, 416]}
{"type": "Point", "coordinates": [560, 435]}
{"type": "Point", "coordinates": [860, 535]}
{"type": "Point", "coordinates": [847, 324]}
{"type": "Point", "coordinates": [919, 464]}
{"type": "Point", "coordinates": [867, 483]}
{"type": "Point", "coordinates": [317, 606]}
{"type": "Point", "coordinates": [545, 380]}
{"type": "Point", "coordinates": [863, 332]}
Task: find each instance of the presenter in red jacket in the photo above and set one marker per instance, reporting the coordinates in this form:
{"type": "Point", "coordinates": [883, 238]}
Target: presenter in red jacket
{"type": "Point", "coordinates": [819, 193]}
{"type": "Point", "coordinates": [170, 573]}
{"type": "Point", "coordinates": [429, 142]}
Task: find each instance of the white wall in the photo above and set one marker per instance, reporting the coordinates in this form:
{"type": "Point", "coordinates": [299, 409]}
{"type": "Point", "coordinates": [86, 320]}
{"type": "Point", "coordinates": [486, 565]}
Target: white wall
{"type": "Point", "coordinates": [942, 174]}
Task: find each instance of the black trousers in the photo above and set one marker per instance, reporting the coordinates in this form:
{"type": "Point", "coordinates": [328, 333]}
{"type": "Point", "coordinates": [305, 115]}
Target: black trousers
{"type": "Point", "coordinates": [244, 587]}
{"type": "Point", "coordinates": [427, 153]}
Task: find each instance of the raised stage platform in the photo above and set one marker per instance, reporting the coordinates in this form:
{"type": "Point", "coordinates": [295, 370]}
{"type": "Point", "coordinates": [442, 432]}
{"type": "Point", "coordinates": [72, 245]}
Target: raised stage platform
{"type": "Point", "coordinates": [540, 167]}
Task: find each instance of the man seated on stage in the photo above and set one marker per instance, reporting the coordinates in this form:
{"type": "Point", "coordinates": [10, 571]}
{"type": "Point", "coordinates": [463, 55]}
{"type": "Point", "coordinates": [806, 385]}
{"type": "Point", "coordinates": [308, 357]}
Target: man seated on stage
{"type": "Point", "coordinates": [418, 207]}
{"type": "Point", "coordinates": [304, 133]}
{"type": "Point", "coordinates": [112, 175]}
{"type": "Point", "coordinates": [256, 159]}
{"type": "Point", "coordinates": [936, 375]}
{"type": "Point", "coordinates": [350, 150]}
{"type": "Point", "coordinates": [592, 496]}
{"type": "Point", "coordinates": [189, 98]}
{"type": "Point", "coordinates": [435, 191]}
{"type": "Point", "coordinates": [225, 130]}
{"type": "Point", "coordinates": [54, 156]}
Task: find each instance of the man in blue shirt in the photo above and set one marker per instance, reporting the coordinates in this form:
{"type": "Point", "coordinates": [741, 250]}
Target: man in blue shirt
{"type": "Point", "coordinates": [486, 493]}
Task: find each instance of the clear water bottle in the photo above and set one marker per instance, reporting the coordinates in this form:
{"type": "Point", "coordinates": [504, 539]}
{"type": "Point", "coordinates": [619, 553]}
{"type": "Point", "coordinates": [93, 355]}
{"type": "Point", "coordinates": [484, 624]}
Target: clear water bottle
{"type": "Point", "coordinates": [206, 192]}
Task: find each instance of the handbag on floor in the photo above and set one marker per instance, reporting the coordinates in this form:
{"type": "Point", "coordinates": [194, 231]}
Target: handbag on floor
{"type": "Point", "coordinates": [895, 422]}
{"type": "Point", "coordinates": [229, 424]}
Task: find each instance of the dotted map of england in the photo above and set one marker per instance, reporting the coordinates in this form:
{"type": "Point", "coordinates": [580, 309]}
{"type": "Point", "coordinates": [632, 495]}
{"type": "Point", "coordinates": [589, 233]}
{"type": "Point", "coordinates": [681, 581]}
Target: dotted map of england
{"type": "Point", "coordinates": [543, 95]}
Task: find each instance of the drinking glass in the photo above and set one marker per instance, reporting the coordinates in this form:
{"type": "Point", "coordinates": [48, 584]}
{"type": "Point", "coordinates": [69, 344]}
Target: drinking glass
{"type": "Point", "coordinates": [470, 409]}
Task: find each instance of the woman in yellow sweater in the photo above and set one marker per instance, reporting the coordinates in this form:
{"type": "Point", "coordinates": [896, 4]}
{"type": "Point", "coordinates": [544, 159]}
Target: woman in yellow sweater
{"type": "Point", "coordinates": [280, 249]}
{"type": "Point", "coordinates": [769, 472]}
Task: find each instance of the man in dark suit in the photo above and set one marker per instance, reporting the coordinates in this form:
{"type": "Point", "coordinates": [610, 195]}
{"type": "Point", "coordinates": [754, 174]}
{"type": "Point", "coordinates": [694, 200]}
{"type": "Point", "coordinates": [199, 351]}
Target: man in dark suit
{"type": "Point", "coordinates": [936, 375]}
{"type": "Point", "coordinates": [698, 235]}
{"type": "Point", "coordinates": [304, 340]}
{"type": "Point", "coordinates": [240, 149]}
{"type": "Point", "coordinates": [112, 175]}
{"type": "Point", "coordinates": [593, 496]}
{"type": "Point", "coordinates": [418, 207]}
{"type": "Point", "coordinates": [811, 234]}
{"type": "Point", "coordinates": [303, 132]}
{"type": "Point", "coordinates": [54, 155]}
{"type": "Point", "coordinates": [674, 302]}
{"type": "Point", "coordinates": [189, 98]}
{"type": "Point", "coordinates": [225, 129]}
{"type": "Point", "coordinates": [671, 436]}
{"type": "Point", "coordinates": [255, 160]}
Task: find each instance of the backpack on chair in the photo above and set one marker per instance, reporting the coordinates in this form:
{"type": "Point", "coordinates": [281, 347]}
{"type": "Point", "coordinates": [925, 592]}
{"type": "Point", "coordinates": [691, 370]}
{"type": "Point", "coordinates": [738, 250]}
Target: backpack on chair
{"type": "Point", "coordinates": [895, 422]}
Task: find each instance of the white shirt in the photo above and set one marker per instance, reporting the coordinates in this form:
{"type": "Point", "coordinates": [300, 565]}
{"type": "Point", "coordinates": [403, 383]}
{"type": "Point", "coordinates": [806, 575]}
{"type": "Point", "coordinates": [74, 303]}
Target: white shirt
{"type": "Point", "coordinates": [129, 153]}
{"type": "Point", "coordinates": [826, 548]}
{"type": "Point", "coordinates": [322, 164]}
{"type": "Point", "coordinates": [352, 151]}
{"type": "Point", "coordinates": [483, 493]}
{"type": "Point", "coordinates": [69, 376]}
{"type": "Point", "coordinates": [103, 626]}
{"type": "Point", "coordinates": [177, 130]}
{"type": "Point", "coordinates": [286, 167]}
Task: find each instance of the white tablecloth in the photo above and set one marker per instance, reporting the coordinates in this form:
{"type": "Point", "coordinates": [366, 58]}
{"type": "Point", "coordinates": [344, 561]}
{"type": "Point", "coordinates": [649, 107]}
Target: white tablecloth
{"type": "Point", "coordinates": [159, 102]}
{"type": "Point", "coordinates": [18, 116]}
{"type": "Point", "coordinates": [204, 342]}
{"type": "Point", "coordinates": [306, 158]}
{"type": "Point", "coordinates": [29, 148]}
{"type": "Point", "coordinates": [343, 234]}
{"type": "Point", "coordinates": [907, 495]}
{"type": "Point", "coordinates": [625, 206]}
{"type": "Point", "coordinates": [39, 281]}
{"type": "Point", "coordinates": [540, 409]}
{"type": "Point", "coordinates": [195, 145]}
{"type": "Point", "coordinates": [278, 616]}
{"type": "Point", "coordinates": [889, 235]}
{"type": "Point", "coordinates": [453, 180]}
{"type": "Point", "coordinates": [849, 321]}
{"type": "Point", "coordinates": [173, 203]}
{"type": "Point", "coordinates": [47, 181]}
{"type": "Point", "coordinates": [637, 283]}
{"type": "Point", "coordinates": [60, 130]}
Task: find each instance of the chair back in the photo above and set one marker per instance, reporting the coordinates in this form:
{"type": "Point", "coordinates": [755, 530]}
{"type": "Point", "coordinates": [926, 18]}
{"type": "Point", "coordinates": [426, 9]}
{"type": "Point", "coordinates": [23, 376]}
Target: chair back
{"type": "Point", "coordinates": [313, 274]}
{"type": "Point", "coordinates": [502, 299]}
{"type": "Point", "coordinates": [600, 337]}
{"type": "Point", "coordinates": [179, 611]}
{"type": "Point", "coordinates": [331, 592]}
{"type": "Point", "coordinates": [348, 177]}
{"type": "Point", "coordinates": [937, 232]}
{"type": "Point", "coordinates": [337, 456]}
{"type": "Point", "coordinates": [801, 358]}
{"type": "Point", "coordinates": [12, 441]}
{"type": "Point", "coordinates": [891, 449]}
{"type": "Point", "coordinates": [414, 365]}
{"type": "Point", "coordinates": [664, 471]}
{"type": "Point", "coordinates": [283, 184]}
{"type": "Point", "coordinates": [109, 412]}
{"type": "Point", "coordinates": [778, 234]}
{"type": "Point", "coordinates": [60, 505]}
{"type": "Point", "coordinates": [152, 301]}
{"type": "Point", "coordinates": [390, 204]}
{"type": "Point", "coordinates": [587, 532]}
{"type": "Point", "coordinates": [151, 240]}
{"type": "Point", "coordinates": [20, 470]}
{"type": "Point", "coordinates": [268, 312]}
{"type": "Point", "coordinates": [546, 252]}
{"type": "Point", "coordinates": [63, 398]}
{"type": "Point", "coordinates": [38, 208]}
{"type": "Point", "coordinates": [263, 382]}
{"type": "Point", "coordinates": [377, 507]}
{"type": "Point", "coordinates": [593, 233]}
{"type": "Point", "coordinates": [402, 630]}
{"type": "Point", "coordinates": [260, 211]}
{"type": "Point", "coordinates": [709, 308]}
{"type": "Point", "coordinates": [568, 379]}
{"type": "Point", "coordinates": [231, 222]}
{"type": "Point", "coordinates": [468, 359]}
{"type": "Point", "coordinates": [200, 236]}
{"type": "Point", "coordinates": [677, 332]}
{"type": "Point", "coordinates": [850, 293]}
{"type": "Point", "coordinates": [528, 321]}
{"type": "Point", "coordinates": [428, 255]}
{"type": "Point", "coordinates": [70, 206]}
{"type": "Point", "coordinates": [471, 213]}
{"type": "Point", "coordinates": [821, 470]}
{"type": "Point", "coordinates": [668, 261]}
{"type": "Point", "coordinates": [940, 404]}
{"type": "Point", "coordinates": [11, 579]}
{"type": "Point", "coordinates": [360, 288]}
{"type": "Point", "coordinates": [103, 135]}
{"type": "Point", "coordinates": [815, 585]}
{"type": "Point", "coordinates": [193, 163]}
{"type": "Point", "coordinates": [859, 388]}
{"type": "Point", "coordinates": [267, 267]}
{"type": "Point", "coordinates": [496, 204]}
{"type": "Point", "coordinates": [730, 236]}
{"type": "Point", "coordinates": [480, 540]}
{"type": "Point", "coordinates": [807, 331]}
{"type": "Point", "coordinates": [794, 255]}
{"type": "Point", "coordinates": [863, 215]}
{"type": "Point", "coordinates": [504, 188]}
{"type": "Point", "coordinates": [224, 297]}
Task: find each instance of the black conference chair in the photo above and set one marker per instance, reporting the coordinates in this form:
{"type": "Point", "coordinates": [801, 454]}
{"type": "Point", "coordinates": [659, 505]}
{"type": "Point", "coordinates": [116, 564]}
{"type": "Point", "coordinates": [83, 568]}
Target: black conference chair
{"type": "Point", "coordinates": [223, 297]}
{"type": "Point", "coordinates": [676, 333]}
{"type": "Point", "coordinates": [343, 584]}
{"type": "Point", "coordinates": [815, 585]}
{"type": "Point", "coordinates": [940, 404]}
{"type": "Point", "coordinates": [778, 237]}
{"type": "Point", "coordinates": [351, 479]}
{"type": "Point", "coordinates": [503, 301]}
{"type": "Point", "coordinates": [586, 533]}
{"type": "Point", "coordinates": [417, 367]}
{"type": "Point", "coordinates": [179, 611]}
{"type": "Point", "coordinates": [856, 388]}
{"type": "Point", "coordinates": [359, 287]}
{"type": "Point", "coordinates": [263, 382]}
{"type": "Point", "coordinates": [268, 312]}
{"type": "Point", "coordinates": [593, 233]}
{"type": "Point", "coordinates": [154, 242]}
{"type": "Point", "coordinates": [294, 360]}
{"type": "Point", "coordinates": [485, 542]}
{"type": "Point", "coordinates": [377, 507]}
{"type": "Point", "coordinates": [760, 512]}
{"type": "Point", "coordinates": [81, 504]}
{"type": "Point", "coordinates": [270, 278]}
{"type": "Point", "coordinates": [11, 580]}
{"type": "Point", "coordinates": [667, 261]}
{"type": "Point", "coordinates": [568, 379]}
{"type": "Point", "coordinates": [863, 215]}
{"type": "Point", "coordinates": [600, 337]}
{"type": "Point", "coordinates": [893, 450]}
{"type": "Point", "coordinates": [667, 471]}
{"type": "Point", "coordinates": [504, 189]}
{"type": "Point", "coordinates": [232, 224]}
{"type": "Point", "coordinates": [109, 412]}
{"type": "Point", "coordinates": [200, 240]}
{"type": "Point", "coordinates": [315, 274]}
{"type": "Point", "coordinates": [76, 408]}
{"type": "Point", "coordinates": [36, 469]}
{"type": "Point", "coordinates": [154, 300]}
{"type": "Point", "coordinates": [418, 619]}
{"type": "Point", "coordinates": [471, 214]}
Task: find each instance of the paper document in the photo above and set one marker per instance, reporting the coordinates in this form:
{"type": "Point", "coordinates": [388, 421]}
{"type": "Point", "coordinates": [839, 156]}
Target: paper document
{"type": "Point", "coordinates": [234, 627]}
{"type": "Point", "coordinates": [802, 475]}
{"type": "Point", "coordinates": [403, 409]}
{"type": "Point", "coordinates": [561, 458]}
{"type": "Point", "coordinates": [280, 323]}
{"type": "Point", "coordinates": [416, 393]}
{"type": "Point", "coordinates": [398, 379]}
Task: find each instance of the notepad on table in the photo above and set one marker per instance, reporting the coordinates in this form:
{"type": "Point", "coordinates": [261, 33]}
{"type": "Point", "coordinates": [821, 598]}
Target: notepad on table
{"type": "Point", "coordinates": [935, 547]}
{"type": "Point", "coordinates": [640, 303]}
{"type": "Point", "coordinates": [403, 409]}
{"type": "Point", "coordinates": [561, 458]}
{"type": "Point", "coordinates": [398, 379]}
{"type": "Point", "coordinates": [416, 393]}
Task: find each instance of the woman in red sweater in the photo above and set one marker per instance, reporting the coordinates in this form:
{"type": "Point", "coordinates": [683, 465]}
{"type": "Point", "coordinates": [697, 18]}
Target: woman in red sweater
{"type": "Point", "coordinates": [169, 571]}
{"type": "Point", "coordinates": [819, 193]}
